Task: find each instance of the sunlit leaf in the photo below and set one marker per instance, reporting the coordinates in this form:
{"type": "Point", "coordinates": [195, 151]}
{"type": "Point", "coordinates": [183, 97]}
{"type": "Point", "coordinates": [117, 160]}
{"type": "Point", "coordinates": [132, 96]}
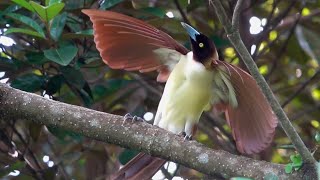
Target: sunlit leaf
{"type": "Point", "coordinates": [296, 160]}
{"type": "Point", "coordinates": [288, 168]}
{"type": "Point", "coordinates": [48, 12]}
{"type": "Point", "coordinates": [23, 31]}
{"type": "Point", "coordinates": [27, 21]}
{"type": "Point", "coordinates": [24, 3]}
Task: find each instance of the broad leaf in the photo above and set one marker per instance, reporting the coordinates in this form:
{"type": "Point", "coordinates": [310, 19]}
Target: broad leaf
{"type": "Point", "coordinates": [23, 31]}
{"type": "Point", "coordinates": [63, 55]}
{"type": "Point", "coordinates": [27, 21]}
{"type": "Point", "coordinates": [24, 3]}
{"type": "Point", "coordinates": [57, 26]}
{"type": "Point", "coordinates": [48, 12]}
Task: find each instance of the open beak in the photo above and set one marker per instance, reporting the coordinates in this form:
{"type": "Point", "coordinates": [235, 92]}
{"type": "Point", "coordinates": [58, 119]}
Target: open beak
{"type": "Point", "coordinates": [191, 31]}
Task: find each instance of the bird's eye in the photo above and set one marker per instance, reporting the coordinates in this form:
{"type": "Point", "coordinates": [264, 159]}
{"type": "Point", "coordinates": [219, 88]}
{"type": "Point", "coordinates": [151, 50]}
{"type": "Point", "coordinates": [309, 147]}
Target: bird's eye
{"type": "Point", "coordinates": [201, 45]}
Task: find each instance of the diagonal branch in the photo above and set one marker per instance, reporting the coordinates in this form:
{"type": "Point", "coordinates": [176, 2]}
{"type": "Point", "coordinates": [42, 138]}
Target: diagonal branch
{"type": "Point", "coordinates": [236, 40]}
{"type": "Point", "coordinates": [15, 104]}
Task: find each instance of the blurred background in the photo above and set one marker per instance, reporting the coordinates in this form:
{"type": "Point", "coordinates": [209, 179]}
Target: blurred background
{"type": "Point", "coordinates": [46, 47]}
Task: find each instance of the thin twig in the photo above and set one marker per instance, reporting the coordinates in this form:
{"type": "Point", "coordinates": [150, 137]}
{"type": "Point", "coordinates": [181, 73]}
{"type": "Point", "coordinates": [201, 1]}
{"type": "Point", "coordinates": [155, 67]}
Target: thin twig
{"type": "Point", "coordinates": [236, 15]}
{"type": "Point", "coordinates": [236, 40]}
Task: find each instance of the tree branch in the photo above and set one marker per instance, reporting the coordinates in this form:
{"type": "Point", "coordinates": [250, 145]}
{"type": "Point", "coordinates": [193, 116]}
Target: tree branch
{"type": "Point", "coordinates": [235, 39]}
{"type": "Point", "coordinates": [15, 104]}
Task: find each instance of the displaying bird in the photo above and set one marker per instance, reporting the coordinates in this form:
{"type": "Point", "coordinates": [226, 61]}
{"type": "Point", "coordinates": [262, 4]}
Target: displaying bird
{"type": "Point", "coordinates": [196, 81]}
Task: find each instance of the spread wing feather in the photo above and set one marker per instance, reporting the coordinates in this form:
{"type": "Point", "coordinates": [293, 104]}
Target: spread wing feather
{"type": "Point", "coordinates": [252, 122]}
{"type": "Point", "coordinates": [128, 43]}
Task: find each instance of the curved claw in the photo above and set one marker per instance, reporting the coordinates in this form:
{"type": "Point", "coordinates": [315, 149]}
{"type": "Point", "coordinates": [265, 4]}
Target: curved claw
{"type": "Point", "coordinates": [133, 119]}
{"type": "Point", "coordinates": [185, 136]}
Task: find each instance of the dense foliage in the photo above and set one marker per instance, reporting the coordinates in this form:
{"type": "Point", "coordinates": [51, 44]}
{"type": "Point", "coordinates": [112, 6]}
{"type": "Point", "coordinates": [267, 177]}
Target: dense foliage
{"type": "Point", "coordinates": [52, 53]}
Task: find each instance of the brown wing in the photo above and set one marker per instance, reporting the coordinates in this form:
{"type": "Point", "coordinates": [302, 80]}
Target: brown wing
{"type": "Point", "coordinates": [253, 122]}
{"type": "Point", "coordinates": [128, 43]}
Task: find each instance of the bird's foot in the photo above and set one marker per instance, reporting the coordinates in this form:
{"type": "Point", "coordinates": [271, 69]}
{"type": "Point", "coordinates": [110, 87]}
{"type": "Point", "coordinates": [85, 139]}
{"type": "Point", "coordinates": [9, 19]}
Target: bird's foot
{"type": "Point", "coordinates": [185, 136]}
{"type": "Point", "coordinates": [129, 117]}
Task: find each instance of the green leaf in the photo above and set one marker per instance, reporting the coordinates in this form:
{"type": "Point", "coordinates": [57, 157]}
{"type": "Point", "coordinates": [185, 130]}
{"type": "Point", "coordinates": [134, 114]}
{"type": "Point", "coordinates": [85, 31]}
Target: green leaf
{"type": "Point", "coordinates": [27, 21]}
{"type": "Point", "coordinates": [57, 26]}
{"type": "Point", "coordinates": [288, 168]}
{"type": "Point", "coordinates": [54, 9]}
{"type": "Point", "coordinates": [24, 4]}
{"type": "Point", "coordinates": [36, 58]}
{"type": "Point", "coordinates": [23, 31]}
{"type": "Point", "coordinates": [296, 160]}
{"type": "Point", "coordinates": [28, 82]}
{"type": "Point", "coordinates": [49, 12]}
{"type": "Point", "coordinates": [40, 10]}
{"type": "Point", "coordinates": [62, 55]}
{"type": "Point", "coordinates": [110, 3]}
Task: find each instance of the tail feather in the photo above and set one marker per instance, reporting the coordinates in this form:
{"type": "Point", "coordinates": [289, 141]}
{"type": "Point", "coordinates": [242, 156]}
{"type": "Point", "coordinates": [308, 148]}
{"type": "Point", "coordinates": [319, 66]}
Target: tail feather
{"type": "Point", "coordinates": [141, 167]}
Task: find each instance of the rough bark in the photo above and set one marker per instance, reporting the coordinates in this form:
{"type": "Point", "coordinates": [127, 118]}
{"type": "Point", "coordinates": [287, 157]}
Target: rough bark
{"type": "Point", "coordinates": [16, 104]}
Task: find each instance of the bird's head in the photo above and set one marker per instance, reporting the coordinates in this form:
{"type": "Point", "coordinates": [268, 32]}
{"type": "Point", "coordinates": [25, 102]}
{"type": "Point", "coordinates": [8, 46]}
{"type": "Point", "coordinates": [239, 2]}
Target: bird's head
{"type": "Point", "coordinates": [204, 51]}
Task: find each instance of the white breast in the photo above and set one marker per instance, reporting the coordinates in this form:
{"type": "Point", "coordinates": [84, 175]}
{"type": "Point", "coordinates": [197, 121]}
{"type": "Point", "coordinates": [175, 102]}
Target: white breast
{"type": "Point", "coordinates": [187, 93]}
